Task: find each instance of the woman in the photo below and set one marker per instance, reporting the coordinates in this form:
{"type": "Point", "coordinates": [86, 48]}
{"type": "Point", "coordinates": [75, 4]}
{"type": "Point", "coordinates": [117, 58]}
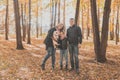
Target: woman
{"type": "Point", "coordinates": [50, 46]}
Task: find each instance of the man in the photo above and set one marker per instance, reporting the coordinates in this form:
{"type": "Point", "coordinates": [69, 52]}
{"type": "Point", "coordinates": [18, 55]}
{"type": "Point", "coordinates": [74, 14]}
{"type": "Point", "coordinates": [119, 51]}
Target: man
{"type": "Point", "coordinates": [50, 47]}
{"type": "Point", "coordinates": [75, 39]}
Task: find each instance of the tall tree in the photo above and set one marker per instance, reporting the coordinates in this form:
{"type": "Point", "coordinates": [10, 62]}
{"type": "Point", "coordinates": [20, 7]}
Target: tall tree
{"type": "Point", "coordinates": [82, 22]}
{"type": "Point", "coordinates": [59, 11]}
{"type": "Point", "coordinates": [64, 12]}
{"type": "Point", "coordinates": [37, 28]}
{"type": "Point", "coordinates": [112, 24]}
{"type": "Point", "coordinates": [117, 26]}
{"type": "Point", "coordinates": [24, 23]}
{"type": "Point", "coordinates": [6, 20]}
{"type": "Point", "coordinates": [29, 27]}
{"type": "Point", "coordinates": [77, 11]}
{"type": "Point", "coordinates": [55, 12]}
{"type": "Point", "coordinates": [41, 17]}
{"type": "Point", "coordinates": [88, 28]}
{"type": "Point", "coordinates": [17, 24]}
{"type": "Point", "coordinates": [52, 15]}
{"type": "Point", "coordinates": [100, 44]}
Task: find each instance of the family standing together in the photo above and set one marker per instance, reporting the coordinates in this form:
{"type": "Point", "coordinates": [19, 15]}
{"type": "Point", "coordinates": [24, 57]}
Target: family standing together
{"type": "Point", "coordinates": [66, 42]}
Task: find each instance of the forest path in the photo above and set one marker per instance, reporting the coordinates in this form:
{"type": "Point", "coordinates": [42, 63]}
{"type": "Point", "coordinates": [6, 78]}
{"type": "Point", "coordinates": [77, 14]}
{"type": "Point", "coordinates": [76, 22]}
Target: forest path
{"type": "Point", "coordinates": [25, 64]}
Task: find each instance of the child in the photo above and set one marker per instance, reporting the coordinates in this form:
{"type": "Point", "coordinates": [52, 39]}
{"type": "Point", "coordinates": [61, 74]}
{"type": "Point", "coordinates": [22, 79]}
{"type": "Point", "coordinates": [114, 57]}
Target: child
{"type": "Point", "coordinates": [63, 50]}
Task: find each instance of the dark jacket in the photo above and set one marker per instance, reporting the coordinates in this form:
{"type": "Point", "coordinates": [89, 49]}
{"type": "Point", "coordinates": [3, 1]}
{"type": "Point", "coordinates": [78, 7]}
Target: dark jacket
{"type": "Point", "coordinates": [48, 40]}
{"type": "Point", "coordinates": [63, 44]}
{"type": "Point", "coordinates": [74, 35]}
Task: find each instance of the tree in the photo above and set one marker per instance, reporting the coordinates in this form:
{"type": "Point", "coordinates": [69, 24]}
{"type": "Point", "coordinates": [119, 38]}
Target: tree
{"type": "Point", "coordinates": [77, 11]}
{"type": "Point", "coordinates": [112, 25]}
{"type": "Point", "coordinates": [24, 23]}
{"type": "Point", "coordinates": [88, 28]}
{"type": "Point", "coordinates": [17, 24]}
{"type": "Point", "coordinates": [117, 26]}
{"type": "Point", "coordinates": [100, 44]}
{"type": "Point", "coordinates": [55, 13]}
{"type": "Point", "coordinates": [59, 11]}
{"type": "Point", "coordinates": [29, 27]}
{"type": "Point", "coordinates": [64, 12]}
{"type": "Point", "coordinates": [6, 20]}
{"type": "Point", "coordinates": [82, 22]}
{"type": "Point", "coordinates": [37, 28]}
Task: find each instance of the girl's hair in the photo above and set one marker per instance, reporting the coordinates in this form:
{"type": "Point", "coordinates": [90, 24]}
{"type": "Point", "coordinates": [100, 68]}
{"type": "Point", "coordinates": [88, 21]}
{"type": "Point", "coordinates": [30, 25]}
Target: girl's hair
{"type": "Point", "coordinates": [63, 28]}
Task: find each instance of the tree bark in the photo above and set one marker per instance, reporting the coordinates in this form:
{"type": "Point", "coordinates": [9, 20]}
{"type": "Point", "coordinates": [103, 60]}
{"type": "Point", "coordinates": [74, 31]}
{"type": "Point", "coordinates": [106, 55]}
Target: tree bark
{"type": "Point", "coordinates": [29, 27]}
{"type": "Point", "coordinates": [100, 46]}
{"type": "Point", "coordinates": [112, 32]}
{"type": "Point", "coordinates": [88, 28]}
{"type": "Point", "coordinates": [105, 29]}
{"type": "Point", "coordinates": [82, 23]}
{"type": "Point", "coordinates": [77, 12]}
{"type": "Point", "coordinates": [6, 20]}
{"type": "Point", "coordinates": [64, 12]}
{"type": "Point", "coordinates": [59, 11]}
{"type": "Point", "coordinates": [96, 36]}
{"type": "Point", "coordinates": [55, 13]}
{"type": "Point", "coordinates": [52, 17]}
{"type": "Point", "coordinates": [37, 28]}
{"type": "Point", "coordinates": [117, 26]}
{"type": "Point", "coordinates": [17, 24]}
{"type": "Point", "coordinates": [24, 23]}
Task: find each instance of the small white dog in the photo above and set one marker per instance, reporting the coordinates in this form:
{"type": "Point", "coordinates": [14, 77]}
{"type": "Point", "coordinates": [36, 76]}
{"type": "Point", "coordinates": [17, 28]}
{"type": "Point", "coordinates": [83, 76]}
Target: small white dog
{"type": "Point", "coordinates": [55, 38]}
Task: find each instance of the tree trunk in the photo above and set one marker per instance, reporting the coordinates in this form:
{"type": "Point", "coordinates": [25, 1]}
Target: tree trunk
{"type": "Point", "coordinates": [29, 27]}
{"type": "Point", "coordinates": [24, 23]}
{"type": "Point", "coordinates": [6, 20]}
{"type": "Point", "coordinates": [52, 17]}
{"type": "Point", "coordinates": [100, 46]}
{"type": "Point", "coordinates": [59, 11]}
{"type": "Point", "coordinates": [41, 19]}
{"type": "Point", "coordinates": [96, 36]}
{"type": "Point", "coordinates": [77, 12]}
{"type": "Point", "coordinates": [22, 18]}
{"type": "Point", "coordinates": [88, 28]}
{"type": "Point", "coordinates": [55, 13]}
{"type": "Point", "coordinates": [64, 12]}
{"type": "Point", "coordinates": [105, 29]}
{"type": "Point", "coordinates": [82, 24]}
{"type": "Point", "coordinates": [117, 26]}
{"type": "Point", "coordinates": [112, 25]}
{"type": "Point", "coordinates": [37, 28]}
{"type": "Point", "coordinates": [17, 24]}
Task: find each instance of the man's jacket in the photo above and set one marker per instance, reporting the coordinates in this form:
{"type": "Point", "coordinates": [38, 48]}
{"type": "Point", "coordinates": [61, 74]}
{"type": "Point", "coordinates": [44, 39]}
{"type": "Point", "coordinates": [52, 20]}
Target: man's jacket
{"type": "Point", "coordinates": [74, 35]}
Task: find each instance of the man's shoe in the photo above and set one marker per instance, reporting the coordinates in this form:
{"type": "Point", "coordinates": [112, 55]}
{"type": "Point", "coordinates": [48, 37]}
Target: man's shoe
{"type": "Point", "coordinates": [42, 67]}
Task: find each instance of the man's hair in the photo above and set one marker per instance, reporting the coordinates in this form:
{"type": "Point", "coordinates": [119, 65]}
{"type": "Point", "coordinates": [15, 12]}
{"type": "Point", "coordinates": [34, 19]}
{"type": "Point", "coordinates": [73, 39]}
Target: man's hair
{"type": "Point", "coordinates": [72, 19]}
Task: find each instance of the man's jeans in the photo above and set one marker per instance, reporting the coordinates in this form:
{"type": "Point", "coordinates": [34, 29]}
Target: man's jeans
{"type": "Point", "coordinates": [63, 54]}
{"type": "Point", "coordinates": [73, 50]}
{"type": "Point", "coordinates": [50, 52]}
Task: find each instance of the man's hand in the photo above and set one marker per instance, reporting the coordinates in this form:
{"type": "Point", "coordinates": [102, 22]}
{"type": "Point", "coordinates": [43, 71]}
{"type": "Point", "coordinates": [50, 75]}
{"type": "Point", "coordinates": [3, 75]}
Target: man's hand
{"type": "Point", "coordinates": [79, 45]}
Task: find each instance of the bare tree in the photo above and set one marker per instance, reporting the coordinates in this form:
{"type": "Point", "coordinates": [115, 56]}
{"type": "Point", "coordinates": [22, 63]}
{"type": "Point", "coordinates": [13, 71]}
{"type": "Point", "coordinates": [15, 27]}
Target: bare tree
{"type": "Point", "coordinates": [17, 24]}
{"type": "Point", "coordinates": [100, 44]}
{"type": "Point", "coordinates": [29, 27]}
{"type": "Point", "coordinates": [6, 20]}
{"type": "Point", "coordinates": [77, 11]}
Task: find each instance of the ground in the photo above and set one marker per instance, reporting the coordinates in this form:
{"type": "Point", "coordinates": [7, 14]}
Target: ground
{"type": "Point", "coordinates": [25, 64]}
